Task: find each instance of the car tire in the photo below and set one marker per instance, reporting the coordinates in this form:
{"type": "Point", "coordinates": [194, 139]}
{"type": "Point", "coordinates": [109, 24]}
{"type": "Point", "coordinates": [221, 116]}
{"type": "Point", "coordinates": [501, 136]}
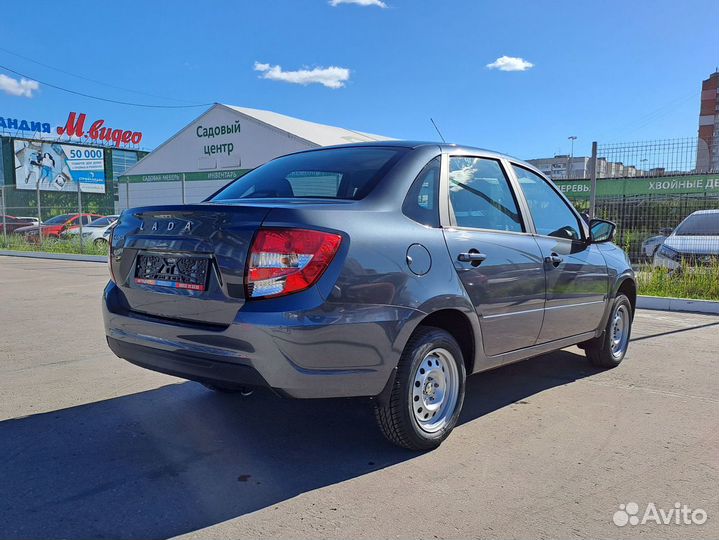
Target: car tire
{"type": "Point", "coordinates": [228, 389]}
{"type": "Point", "coordinates": [100, 242]}
{"type": "Point", "coordinates": [609, 349]}
{"type": "Point", "coordinates": [427, 393]}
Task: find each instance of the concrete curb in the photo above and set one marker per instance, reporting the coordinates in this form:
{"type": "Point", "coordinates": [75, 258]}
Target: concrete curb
{"type": "Point", "coordinates": [55, 256]}
{"type": "Point", "coordinates": [678, 304]}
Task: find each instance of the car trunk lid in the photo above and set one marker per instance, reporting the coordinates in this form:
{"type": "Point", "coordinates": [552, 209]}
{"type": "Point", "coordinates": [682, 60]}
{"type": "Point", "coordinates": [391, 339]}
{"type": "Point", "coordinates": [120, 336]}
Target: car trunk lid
{"type": "Point", "coordinates": [185, 262]}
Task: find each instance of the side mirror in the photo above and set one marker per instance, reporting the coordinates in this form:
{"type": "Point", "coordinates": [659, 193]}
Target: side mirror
{"type": "Point", "coordinates": [601, 230]}
{"type": "Point", "coordinates": [666, 231]}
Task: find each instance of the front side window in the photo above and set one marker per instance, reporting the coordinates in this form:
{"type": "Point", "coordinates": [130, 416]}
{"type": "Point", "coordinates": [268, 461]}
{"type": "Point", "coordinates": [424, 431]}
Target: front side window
{"type": "Point", "coordinates": [481, 196]}
{"type": "Point", "coordinates": [552, 216]}
{"type": "Point", "coordinates": [342, 173]}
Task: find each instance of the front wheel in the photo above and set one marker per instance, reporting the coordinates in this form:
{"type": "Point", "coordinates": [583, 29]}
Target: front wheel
{"type": "Point", "coordinates": [427, 394]}
{"type": "Point", "coordinates": [609, 349]}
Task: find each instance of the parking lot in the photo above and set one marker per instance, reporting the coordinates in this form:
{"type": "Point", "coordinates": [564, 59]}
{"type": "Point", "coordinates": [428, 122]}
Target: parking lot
{"type": "Point", "coordinates": [94, 447]}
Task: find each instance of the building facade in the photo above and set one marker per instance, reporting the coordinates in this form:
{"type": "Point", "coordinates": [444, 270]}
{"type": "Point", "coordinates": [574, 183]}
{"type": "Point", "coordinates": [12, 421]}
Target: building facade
{"type": "Point", "coordinates": [708, 145]}
{"type": "Point", "coordinates": [562, 167]}
{"type": "Point", "coordinates": [47, 170]}
{"type": "Point", "coordinates": [220, 145]}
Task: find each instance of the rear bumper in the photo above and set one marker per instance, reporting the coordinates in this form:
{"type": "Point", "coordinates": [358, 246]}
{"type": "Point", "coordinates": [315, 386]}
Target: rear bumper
{"type": "Point", "coordinates": [186, 365]}
{"type": "Point", "coordinates": [341, 351]}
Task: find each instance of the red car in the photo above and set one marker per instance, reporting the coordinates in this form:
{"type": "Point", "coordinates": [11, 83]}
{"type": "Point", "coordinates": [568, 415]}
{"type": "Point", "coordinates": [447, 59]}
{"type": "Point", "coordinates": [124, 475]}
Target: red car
{"type": "Point", "coordinates": [54, 226]}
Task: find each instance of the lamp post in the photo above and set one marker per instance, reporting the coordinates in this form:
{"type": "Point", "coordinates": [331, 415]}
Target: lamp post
{"type": "Point", "coordinates": [571, 155]}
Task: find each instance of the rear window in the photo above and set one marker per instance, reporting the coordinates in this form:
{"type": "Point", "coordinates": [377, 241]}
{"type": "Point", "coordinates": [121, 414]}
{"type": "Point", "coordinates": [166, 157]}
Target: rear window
{"type": "Point", "coordinates": [700, 225]}
{"type": "Point", "coordinates": [102, 222]}
{"type": "Point", "coordinates": [342, 173]}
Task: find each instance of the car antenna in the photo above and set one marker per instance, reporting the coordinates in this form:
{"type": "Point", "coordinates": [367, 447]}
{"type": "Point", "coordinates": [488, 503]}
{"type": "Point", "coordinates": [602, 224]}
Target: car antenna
{"type": "Point", "coordinates": [435, 127]}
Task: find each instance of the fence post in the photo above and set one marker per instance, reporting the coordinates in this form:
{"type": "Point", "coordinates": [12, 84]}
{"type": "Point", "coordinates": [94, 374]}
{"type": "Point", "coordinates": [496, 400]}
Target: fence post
{"type": "Point", "coordinates": [79, 211]}
{"type": "Point", "coordinates": [593, 181]}
{"type": "Point", "coordinates": [183, 188]}
{"type": "Point", "coordinates": [127, 193]}
{"type": "Point", "coordinates": [2, 209]}
{"type": "Point", "coordinates": [39, 213]}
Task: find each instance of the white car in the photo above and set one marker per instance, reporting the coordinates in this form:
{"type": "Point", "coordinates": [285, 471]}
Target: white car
{"type": "Point", "coordinates": [93, 232]}
{"type": "Point", "coordinates": [695, 242]}
{"type": "Point", "coordinates": [651, 244]}
{"type": "Point", "coordinates": [31, 220]}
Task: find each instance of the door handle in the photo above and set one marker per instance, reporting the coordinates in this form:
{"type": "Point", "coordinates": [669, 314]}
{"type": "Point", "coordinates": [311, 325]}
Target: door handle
{"type": "Point", "coordinates": [472, 256]}
{"type": "Point", "coordinates": [554, 259]}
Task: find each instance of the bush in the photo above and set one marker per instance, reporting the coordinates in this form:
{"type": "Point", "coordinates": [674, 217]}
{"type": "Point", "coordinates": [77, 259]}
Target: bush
{"type": "Point", "coordinates": [700, 283]}
{"type": "Point", "coordinates": [17, 242]}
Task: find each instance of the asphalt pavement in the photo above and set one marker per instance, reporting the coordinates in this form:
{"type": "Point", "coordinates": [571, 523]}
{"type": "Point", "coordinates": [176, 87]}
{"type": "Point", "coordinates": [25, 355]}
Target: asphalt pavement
{"type": "Point", "coordinates": [94, 447]}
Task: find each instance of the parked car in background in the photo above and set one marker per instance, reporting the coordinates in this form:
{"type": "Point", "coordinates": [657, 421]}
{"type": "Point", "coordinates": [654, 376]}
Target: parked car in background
{"type": "Point", "coordinates": [9, 224]}
{"type": "Point", "coordinates": [92, 232]}
{"type": "Point", "coordinates": [387, 270]}
{"type": "Point", "coordinates": [31, 219]}
{"type": "Point", "coordinates": [651, 244]}
{"type": "Point", "coordinates": [56, 225]}
{"type": "Point", "coordinates": [695, 242]}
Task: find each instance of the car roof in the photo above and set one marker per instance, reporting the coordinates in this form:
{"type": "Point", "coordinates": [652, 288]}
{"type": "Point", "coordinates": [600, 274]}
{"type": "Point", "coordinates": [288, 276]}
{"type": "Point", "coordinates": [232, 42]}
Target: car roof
{"type": "Point", "coordinates": [444, 147]}
{"type": "Point", "coordinates": [713, 211]}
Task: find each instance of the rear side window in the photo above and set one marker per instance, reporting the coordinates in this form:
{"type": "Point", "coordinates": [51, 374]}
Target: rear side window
{"type": "Point", "coordinates": [421, 201]}
{"type": "Point", "coordinates": [340, 173]}
{"type": "Point", "coordinates": [481, 196]}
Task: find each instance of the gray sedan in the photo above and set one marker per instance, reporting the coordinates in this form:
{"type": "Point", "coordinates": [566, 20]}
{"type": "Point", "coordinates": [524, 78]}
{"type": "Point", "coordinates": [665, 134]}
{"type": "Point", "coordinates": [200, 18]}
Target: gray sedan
{"type": "Point", "coordinates": [386, 270]}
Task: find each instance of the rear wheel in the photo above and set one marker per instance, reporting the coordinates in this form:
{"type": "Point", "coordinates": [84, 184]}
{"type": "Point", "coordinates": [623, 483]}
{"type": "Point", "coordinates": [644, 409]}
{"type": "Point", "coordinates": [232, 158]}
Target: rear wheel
{"type": "Point", "coordinates": [609, 349]}
{"type": "Point", "coordinates": [100, 242]}
{"type": "Point", "coordinates": [427, 394]}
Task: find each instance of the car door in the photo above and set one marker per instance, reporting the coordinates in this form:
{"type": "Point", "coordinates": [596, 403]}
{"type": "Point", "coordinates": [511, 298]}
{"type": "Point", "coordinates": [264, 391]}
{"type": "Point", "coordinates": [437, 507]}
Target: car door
{"type": "Point", "coordinates": [576, 272]}
{"type": "Point", "coordinates": [494, 254]}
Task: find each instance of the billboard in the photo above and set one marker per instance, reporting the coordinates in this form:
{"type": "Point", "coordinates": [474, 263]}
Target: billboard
{"type": "Point", "coordinates": [59, 167]}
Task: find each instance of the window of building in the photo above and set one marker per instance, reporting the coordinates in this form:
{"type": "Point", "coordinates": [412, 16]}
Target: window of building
{"type": "Point", "coordinates": [121, 162]}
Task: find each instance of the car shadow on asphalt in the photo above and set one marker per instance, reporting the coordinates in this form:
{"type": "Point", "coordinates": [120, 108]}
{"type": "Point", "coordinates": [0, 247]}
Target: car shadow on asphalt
{"type": "Point", "coordinates": [179, 458]}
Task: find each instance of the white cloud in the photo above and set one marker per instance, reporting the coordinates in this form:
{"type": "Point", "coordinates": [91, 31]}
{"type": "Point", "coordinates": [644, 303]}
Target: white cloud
{"type": "Point", "coordinates": [331, 77]}
{"type": "Point", "coordinates": [378, 3]}
{"type": "Point", "coordinates": [15, 87]}
{"type": "Point", "coordinates": [510, 63]}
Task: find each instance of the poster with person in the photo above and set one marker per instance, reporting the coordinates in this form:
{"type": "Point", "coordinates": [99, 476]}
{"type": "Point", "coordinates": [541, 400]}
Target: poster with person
{"type": "Point", "coordinates": [52, 166]}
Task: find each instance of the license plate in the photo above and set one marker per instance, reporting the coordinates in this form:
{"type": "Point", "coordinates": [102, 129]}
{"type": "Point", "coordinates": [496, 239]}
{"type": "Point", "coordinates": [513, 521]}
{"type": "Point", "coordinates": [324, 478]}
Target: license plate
{"type": "Point", "coordinates": [172, 271]}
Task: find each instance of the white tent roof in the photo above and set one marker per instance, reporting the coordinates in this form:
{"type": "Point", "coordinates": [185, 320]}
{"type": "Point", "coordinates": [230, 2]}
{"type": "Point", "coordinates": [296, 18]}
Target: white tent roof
{"type": "Point", "coordinates": [319, 134]}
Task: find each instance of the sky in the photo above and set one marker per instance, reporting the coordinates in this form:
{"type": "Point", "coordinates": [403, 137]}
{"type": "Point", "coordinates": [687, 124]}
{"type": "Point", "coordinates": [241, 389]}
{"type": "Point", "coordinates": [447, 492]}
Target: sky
{"type": "Point", "coordinates": [518, 77]}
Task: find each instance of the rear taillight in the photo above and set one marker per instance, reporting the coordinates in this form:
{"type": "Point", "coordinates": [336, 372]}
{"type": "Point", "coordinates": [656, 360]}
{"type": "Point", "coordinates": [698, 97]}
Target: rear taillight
{"type": "Point", "coordinates": [284, 261]}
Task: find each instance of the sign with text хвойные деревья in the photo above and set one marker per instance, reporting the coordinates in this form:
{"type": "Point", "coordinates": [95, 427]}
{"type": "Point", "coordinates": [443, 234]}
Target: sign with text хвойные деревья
{"type": "Point", "coordinates": [662, 185]}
